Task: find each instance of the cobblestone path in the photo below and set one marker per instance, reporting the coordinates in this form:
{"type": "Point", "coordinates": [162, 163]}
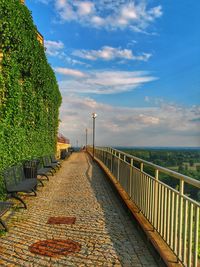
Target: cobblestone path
{"type": "Point", "coordinates": [102, 228]}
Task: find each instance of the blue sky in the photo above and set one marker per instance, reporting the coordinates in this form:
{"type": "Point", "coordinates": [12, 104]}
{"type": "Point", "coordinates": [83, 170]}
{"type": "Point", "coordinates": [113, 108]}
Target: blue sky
{"type": "Point", "coordinates": [134, 63]}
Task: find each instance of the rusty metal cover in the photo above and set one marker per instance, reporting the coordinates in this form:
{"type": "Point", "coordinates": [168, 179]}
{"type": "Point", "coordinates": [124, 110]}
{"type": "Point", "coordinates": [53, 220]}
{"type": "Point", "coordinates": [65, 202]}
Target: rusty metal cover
{"type": "Point", "coordinates": [61, 220]}
{"type": "Point", "coordinates": [55, 247]}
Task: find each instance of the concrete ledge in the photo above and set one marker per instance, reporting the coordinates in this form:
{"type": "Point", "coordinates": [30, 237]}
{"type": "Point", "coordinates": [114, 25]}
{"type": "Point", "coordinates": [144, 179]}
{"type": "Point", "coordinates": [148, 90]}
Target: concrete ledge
{"type": "Point", "coordinates": [158, 243]}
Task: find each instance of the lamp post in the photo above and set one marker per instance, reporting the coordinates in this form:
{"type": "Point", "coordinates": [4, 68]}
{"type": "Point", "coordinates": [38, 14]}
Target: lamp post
{"type": "Point", "coordinates": [94, 115]}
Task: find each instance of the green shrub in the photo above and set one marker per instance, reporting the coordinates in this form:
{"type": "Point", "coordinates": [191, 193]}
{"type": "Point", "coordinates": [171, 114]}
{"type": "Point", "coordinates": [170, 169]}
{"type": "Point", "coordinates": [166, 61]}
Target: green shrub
{"type": "Point", "coordinates": [29, 93]}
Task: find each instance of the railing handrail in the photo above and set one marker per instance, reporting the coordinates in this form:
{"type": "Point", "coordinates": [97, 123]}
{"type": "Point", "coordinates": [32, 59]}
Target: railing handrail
{"type": "Point", "coordinates": [177, 175]}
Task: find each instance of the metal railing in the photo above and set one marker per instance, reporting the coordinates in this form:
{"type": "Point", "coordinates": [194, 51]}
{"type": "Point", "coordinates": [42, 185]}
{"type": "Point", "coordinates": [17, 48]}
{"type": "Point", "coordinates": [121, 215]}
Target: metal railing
{"type": "Point", "coordinates": [173, 214]}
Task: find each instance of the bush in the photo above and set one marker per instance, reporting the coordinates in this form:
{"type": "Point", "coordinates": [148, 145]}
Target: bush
{"type": "Point", "coordinates": [29, 93]}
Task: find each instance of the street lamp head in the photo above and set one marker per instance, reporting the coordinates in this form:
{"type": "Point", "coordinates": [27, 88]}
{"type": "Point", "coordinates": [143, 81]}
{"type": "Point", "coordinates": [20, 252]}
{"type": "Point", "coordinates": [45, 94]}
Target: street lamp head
{"type": "Point", "coordinates": [94, 115]}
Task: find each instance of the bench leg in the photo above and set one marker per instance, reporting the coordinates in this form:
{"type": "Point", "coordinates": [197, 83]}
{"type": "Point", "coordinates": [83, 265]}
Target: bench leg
{"type": "Point", "coordinates": [18, 198]}
{"type": "Point", "coordinates": [4, 225]}
{"type": "Point", "coordinates": [46, 177]}
{"type": "Point", "coordinates": [54, 168]}
{"type": "Point", "coordinates": [41, 183]}
{"type": "Point", "coordinates": [33, 190]}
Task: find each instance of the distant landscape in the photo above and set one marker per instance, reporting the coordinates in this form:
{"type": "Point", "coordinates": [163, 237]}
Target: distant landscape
{"type": "Point", "coordinates": [183, 160]}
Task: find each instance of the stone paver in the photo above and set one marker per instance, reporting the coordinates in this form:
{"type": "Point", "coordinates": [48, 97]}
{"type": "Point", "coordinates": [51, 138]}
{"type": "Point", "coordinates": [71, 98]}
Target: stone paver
{"type": "Point", "coordinates": [102, 227]}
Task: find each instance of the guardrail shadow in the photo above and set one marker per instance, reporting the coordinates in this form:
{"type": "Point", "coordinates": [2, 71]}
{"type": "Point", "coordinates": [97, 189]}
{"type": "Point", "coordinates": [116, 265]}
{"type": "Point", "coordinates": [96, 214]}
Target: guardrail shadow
{"type": "Point", "coordinates": [126, 239]}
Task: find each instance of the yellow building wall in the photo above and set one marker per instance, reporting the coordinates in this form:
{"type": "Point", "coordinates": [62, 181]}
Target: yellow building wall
{"type": "Point", "coordinates": [61, 146]}
{"type": "Point", "coordinates": [40, 38]}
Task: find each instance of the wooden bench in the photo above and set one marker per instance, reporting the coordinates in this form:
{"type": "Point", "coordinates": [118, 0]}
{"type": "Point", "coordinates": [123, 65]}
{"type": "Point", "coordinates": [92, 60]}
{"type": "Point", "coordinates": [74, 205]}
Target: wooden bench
{"type": "Point", "coordinates": [4, 206]}
{"type": "Point", "coordinates": [16, 182]}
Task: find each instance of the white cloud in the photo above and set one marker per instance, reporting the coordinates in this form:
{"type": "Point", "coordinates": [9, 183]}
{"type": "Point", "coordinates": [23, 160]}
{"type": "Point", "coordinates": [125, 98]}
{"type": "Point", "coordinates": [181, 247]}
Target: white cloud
{"type": "Point", "coordinates": [97, 21]}
{"type": "Point", "coordinates": [149, 120]}
{"type": "Point", "coordinates": [129, 12]}
{"type": "Point", "coordinates": [106, 82]}
{"type": "Point", "coordinates": [72, 61]}
{"type": "Point", "coordinates": [110, 15]}
{"type": "Point", "coordinates": [146, 99]}
{"type": "Point", "coordinates": [84, 8]}
{"type": "Point", "coordinates": [53, 48]}
{"type": "Point", "coordinates": [69, 72]}
{"type": "Point", "coordinates": [110, 53]}
{"type": "Point", "coordinates": [60, 4]}
{"type": "Point", "coordinates": [155, 12]}
{"type": "Point", "coordinates": [56, 49]}
{"type": "Point", "coordinates": [132, 43]}
{"type": "Point", "coordinates": [164, 125]}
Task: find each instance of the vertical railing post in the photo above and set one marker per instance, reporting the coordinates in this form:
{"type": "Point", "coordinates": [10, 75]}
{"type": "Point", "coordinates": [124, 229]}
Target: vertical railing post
{"type": "Point", "coordinates": [124, 174]}
{"type": "Point", "coordinates": [141, 166]}
{"type": "Point", "coordinates": [185, 232]}
{"type": "Point", "coordinates": [196, 236]}
{"type": "Point", "coordinates": [107, 159]}
{"type": "Point", "coordinates": [130, 182]}
{"type": "Point", "coordinates": [111, 160]}
{"type": "Point", "coordinates": [190, 236]}
{"type": "Point", "coordinates": [156, 198]}
{"type": "Point", "coordinates": [140, 185]}
{"type": "Point", "coordinates": [119, 156]}
{"type": "Point", "coordinates": [180, 221]}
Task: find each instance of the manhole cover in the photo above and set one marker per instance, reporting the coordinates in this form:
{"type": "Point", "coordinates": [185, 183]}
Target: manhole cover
{"type": "Point", "coordinates": [55, 247]}
{"type": "Point", "coordinates": [61, 220]}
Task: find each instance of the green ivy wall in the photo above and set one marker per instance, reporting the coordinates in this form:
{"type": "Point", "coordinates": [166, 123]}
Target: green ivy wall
{"type": "Point", "coordinates": [29, 94]}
